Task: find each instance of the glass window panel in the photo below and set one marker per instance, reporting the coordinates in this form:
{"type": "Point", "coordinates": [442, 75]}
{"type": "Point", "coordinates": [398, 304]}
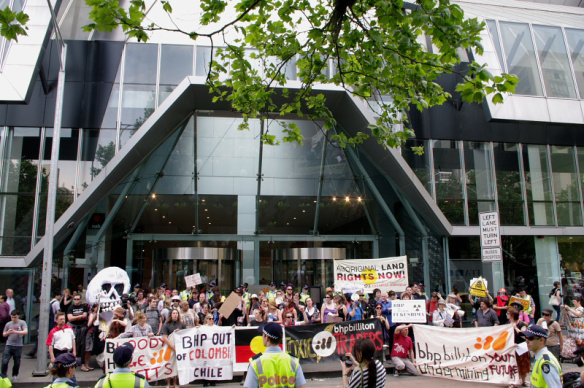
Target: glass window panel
{"type": "Point", "coordinates": [67, 158]}
{"type": "Point", "coordinates": [97, 150]}
{"type": "Point", "coordinates": [520, 56]}
{"type": "Point", "coordinates": [553, 59]}
{"type": "Point", "coordinates": [419, 163]}
{"type": "Point", "coordinates": [141, 63]}
{"type": "Point", "coordinates": [16, 226]}
{"type": "Point", "coordinates": [509, 188]}
{"type": "Point", "coordinates": [448, 178]}
{"type": "Point", "coordinates": [479, 179]}
{"type": "Point", "coordinates": [566, 189]}
{"type": "Point", "coordinates": [494, 32]}
{"type": "Point", "coordinates": [202, 60]}
{"type": "Point", "coordinates": [176, 63]}
{"type": "Point", "coordinates": [576, 44]}
{"type": "Point", "coordinates": [538, 185]}
{"type": "Point", "coordinates": [137, 105]}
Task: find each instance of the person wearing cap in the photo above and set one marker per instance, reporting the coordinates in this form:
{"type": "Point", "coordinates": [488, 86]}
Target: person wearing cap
{"type": "Point", "coordinates": [271, 294]}
{"type": "Point", "coordinates": [555, 340]}
{"type": "Point", "coordinates": [162, 289]}
{"type": "Point", "coordinates": [175, 302]}
{"type": "Point", "coordinates": [245, 294]}
{"type": "Point", "coordinates": [63, 371]}
{"type": "Point", "coordinates": [210, 292]}
{"type": "Point", "coordinates": [122, 376]}
{"type": "Point", "coordinates": [304, 294]}
{"type": "Point", "coordinates": [501, 304]}
{"type": "Point", "coordinates": [13, 331]}
{"type": "Point", "coordinates": [547, 369]}
{"type": "Point", "coordinates": [440, 317]}
{"type": "Point", "coordinates": [275, 367]}
{"type": "Point", "coordinates": [134, 293]}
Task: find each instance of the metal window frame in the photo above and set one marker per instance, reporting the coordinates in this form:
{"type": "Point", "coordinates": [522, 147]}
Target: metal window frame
{"type": "Point", "coordinates": [120, 94]}
{"type": "Point", "coordinates": [523, 184]}
{"type": "Point", "coordinates": [548, 156]}
{"type": "Point", "coordinates": [579, 179]}
{"type": "Point", "coordinates": [571, 64]}
{"type": "Point", "coordinates": [38, 187]}
{"type": "Point", "coordinates": [499, 37]}
{"type": "Point", "coordinates": [537, 61]}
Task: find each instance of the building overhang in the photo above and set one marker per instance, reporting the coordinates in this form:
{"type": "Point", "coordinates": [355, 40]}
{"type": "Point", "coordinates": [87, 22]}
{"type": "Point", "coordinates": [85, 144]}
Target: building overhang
{"type": "Point", "coordinates": [193, 95]}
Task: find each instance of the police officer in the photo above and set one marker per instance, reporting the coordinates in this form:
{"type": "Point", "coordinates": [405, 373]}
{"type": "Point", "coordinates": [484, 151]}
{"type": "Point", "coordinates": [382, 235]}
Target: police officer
{"type": "Point", "coordinates": [304, 294]}
{"type": "Point", "coordinates": [547, 370]}
{"type": "Point", "coordinates": [274, 368]}
{"type": "Point", "coordinates": [122, 377]}
{"type": "Point", "coordinates": [271, 294]}
{"type": "Point", "coordinates": [64, 371]}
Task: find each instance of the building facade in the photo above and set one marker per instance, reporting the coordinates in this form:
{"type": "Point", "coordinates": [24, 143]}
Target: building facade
{"type": "Point", "coordinates": [156, 178]}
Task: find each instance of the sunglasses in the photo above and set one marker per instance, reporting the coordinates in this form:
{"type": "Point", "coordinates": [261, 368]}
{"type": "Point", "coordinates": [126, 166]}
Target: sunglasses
{"type": "Point", "coordinates": [327, 297]}
{"type": "Point", "coordinates": [378, 308]}
{"type": "Point", "coordinates": [209, 319]}
{"type": "Point", "coordinates": [546, 315]}
{"type": "Point", "coordinates": [289, 289]}
{"type": "Point", "coordinates": [288, 316]}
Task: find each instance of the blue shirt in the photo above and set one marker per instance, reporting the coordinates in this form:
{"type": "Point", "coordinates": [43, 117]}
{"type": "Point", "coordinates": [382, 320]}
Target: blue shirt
{"type": "Point", "coordinates": [358, 312]}
{"type": "Point", "coordinates": [386, 310]}
{"type": "Point", "coordinates": [251, 381]}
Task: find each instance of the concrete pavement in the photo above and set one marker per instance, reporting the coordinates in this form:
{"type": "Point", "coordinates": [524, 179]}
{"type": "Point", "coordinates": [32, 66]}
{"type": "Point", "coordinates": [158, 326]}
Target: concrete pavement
{"type": "Point", "coordinates": [316, 375]}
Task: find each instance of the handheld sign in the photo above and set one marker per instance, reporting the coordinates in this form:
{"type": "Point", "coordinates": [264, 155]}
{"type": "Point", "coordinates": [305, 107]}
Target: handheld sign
{"type": "Point", "coordinates": [478, 287]}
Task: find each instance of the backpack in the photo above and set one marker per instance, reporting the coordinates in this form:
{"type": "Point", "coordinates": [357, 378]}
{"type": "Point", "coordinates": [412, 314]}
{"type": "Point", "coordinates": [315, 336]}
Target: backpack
{"type": "Point", "coordinates": [51, 312]}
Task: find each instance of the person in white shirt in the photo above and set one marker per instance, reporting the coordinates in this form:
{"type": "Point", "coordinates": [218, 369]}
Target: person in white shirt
{"type": "Point", "coordinates": [10, 299]}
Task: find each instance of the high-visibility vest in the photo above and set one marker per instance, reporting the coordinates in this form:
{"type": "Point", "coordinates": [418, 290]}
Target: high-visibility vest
{"type": "Point", "coordinates": [271, 295]}
{"type": "Point", "coordinates": [184, 295]}
{"type": "Point", "coordinates": [276, 370]}
{"type": "Point", "coordinates": [5, 382]}
{"type": "Point", "coordinates": [303, 297]}
{"type": "Point", "coordinates": [536, 375]}
{"type": "Point", "coordinates": [121, 380]}
{"type": "Point", "coordinates": [246, 296]}
{"type": "Point", "coordinates": [58, 385]}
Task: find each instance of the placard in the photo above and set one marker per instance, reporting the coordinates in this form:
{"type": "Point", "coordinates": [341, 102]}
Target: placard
{"type": "Point", "coordinates": [483, 354]}
{"type": "Point", "coordinates": [193, 280]}
{"type": "Point", "coordinates": [390, 273]}
{"type": "Point", "coordinates": [205, 353]}
{"type": "Point", "coordinates": [478, 287]}
{"type": "Point", "coordinates": [230, 304]}
{"type": "Point", "coordinates": [525, 302]}
{"type": "Point", "coordinates": [408, 311]}
{"type": "Point", "coordinates": [152, 357]}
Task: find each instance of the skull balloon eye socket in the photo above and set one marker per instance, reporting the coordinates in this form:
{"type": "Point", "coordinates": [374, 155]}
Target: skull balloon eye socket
{"type": "Point", "coordinates": [119, 289]}
{"type": "Point", "coordinates": [106, 287]}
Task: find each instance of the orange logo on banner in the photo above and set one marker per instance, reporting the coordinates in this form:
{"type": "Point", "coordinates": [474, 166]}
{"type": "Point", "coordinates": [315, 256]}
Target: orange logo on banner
{"type": "Point", "coordinates": [162, 355]}
{"type": "Point", "coordinates": [498, 344]}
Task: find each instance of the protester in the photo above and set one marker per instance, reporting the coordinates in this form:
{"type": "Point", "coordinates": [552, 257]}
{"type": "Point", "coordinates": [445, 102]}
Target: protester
{"type": "Point", "coordinates": [165, 310]}
{"type": "Point", "coordinates": [77, 319]}
{"type": "Point", "coordinates": [66, 300]}
{"type": "Point", "coordinates": [329, 309]}
{"type": "Point", "coordinates": [355, 312]}
{"type": "Point", "coordinates": [433, 306]}
{"type": "Point", "coordinates": [187, 316]}
{"type": "Point", "coordinates": [453, 303]}
{"type": "Point", "coordinates": [92, 327]}
{"type": "Point", "coordinates": [547, 369]}
{"type": "Point", "coordinates": [259, 318]}
{"type": "Point", "coordinates": [524, 360]}
{"type": "Point", "coordinates": [522, 314]}
{"type": "Point", "coordinates": [122, 377]}
{"type": "Point", "coordinates": [193, 298]}
{"type": "Point", "coordinates": [199, 305]}
{"type": "Point", "coordinates": [373, 301]}
{"type": "Point", "coordinates": [4, 314]}
{"type": "Point", "coordinates": [531, 309]}
{"type": "Point", "coordinates": [486, 316]}
{"type": "Point", "coordinates": [402, 348]}
{"type": "Point", "coordinates": [274, 315]}
{"type": "Point", "coordinates": [501, 304]}
{"type": "Point", "coordinates": [61, 339]}
{"type": "Point", "coordinates": [140, 327]}
{"type": "Point", "coordinates": [153, 316]}
{"type": "Point", "coordinates": [577, 310]}
{"type": "Point", "coordinates": [370, 373]}
{"type": "Point", "coordinates": [13, 331]}
{"type": "Point", "coordinates": [555, 340]}
{"type": "Point", "coordinates": [209, 320]}
{"type": "Point", "coordinates": [173, 324]}
{"type": "Point", "coordinates": [556, 296]}
{"type": "Point", "coordinates": [440, 316]}
{"type": "Point", "coordinates": [118, 324]}
{"type": "Point", "coordinates": [274, 361]}
{"type": "Point", "coordinates": [63, 371]}
{"type": "Point", "coordinates": [311, 313]}
{"type": "Point", "coordinates": [206, 310]}
{"type": "Point", "coordinates": [289, 319]}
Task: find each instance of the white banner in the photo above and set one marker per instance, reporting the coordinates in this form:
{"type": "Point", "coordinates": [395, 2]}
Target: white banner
{"type": "Point", "coordinates": [483, 354]}
{"type": "Point", "coordinates": [390, 273]}
{"type": "Point", "coordinates": [205, 353]}
{"type": "Point", "coordinates": [152, 357]}
{"type": "Point", "coordinates": [408, 311]}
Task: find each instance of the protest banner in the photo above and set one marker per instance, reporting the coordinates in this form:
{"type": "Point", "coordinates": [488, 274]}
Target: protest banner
{"type": "Point", "coordinates": [524, 302]}
{"type": "Point", "coordinates": [390, 273]}
{"type": "Point", "coordinates": [205, 353]}
{"type": "Point", "coordinates": [327, 342]}
{"type": "Point", "coordinates": [248, 344]}
{"type": "Point", "coordinates": [483, 354]}
{"type": "Point", "coordinates": [408, 311]}
{"type": "Point", "coordinates": [152, 357]}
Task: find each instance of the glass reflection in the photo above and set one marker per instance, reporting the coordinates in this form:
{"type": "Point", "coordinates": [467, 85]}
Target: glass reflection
{"type": "Point", "coordinates": [480, 185]}
{"type": "Point", "coordinates": [509, 187]}
{"type": "Point", "coordinates": [419, 163]}
{"type": "Point", "coordinates": [566, 188]}
{"type": "Point", "coordinates": [538, 185]}
{"type": "Point", "coordinates": [576, 43]}
{"type": "Point", "coordinates": [448, 178]}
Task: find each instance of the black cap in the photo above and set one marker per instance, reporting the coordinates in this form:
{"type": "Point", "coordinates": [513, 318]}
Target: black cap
{"type": "Point", "coordinates": [535, 331]}
{"type": "Point", "coordinates": [137, 285]}
{"type": "Point", "coordinates": [67, 359]}
{"type": "Point", "coordinates": [245, 285]}
{"type": "Point", "coordinates": [272, 330]}
{"type": "Point", "coordinates": [163, 285]}
{"type": "Point", "coordinates": [283, 284]}
{"type": "Point", "coordinates": [305, 287]}
{"type": "Point", "coordinates": [212, 284]}
{"type": "Point", "coordinates": [123, 354]}
{"type": "Point", "coordinates": [272, 284]}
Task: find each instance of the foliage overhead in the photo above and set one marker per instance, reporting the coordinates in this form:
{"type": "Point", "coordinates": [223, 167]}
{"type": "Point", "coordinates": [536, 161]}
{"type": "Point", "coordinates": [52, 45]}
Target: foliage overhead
{"type": "Point", "coordinates": [376, 48]}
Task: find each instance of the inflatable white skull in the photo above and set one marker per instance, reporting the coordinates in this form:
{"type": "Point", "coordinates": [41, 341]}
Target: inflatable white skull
{"type": "Point", "coordinates": [107, 287]}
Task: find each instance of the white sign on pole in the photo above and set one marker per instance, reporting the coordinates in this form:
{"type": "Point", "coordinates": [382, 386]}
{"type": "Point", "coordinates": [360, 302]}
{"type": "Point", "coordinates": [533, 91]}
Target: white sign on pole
{"type": "Point", "coordinates": [490, 255]}
{"type": "Point", "coordinates": [489, 226]}
{"type": "Point", "coordinates": [408, 311]}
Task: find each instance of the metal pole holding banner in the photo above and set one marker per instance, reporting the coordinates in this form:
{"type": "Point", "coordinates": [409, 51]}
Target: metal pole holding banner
{"type": "Point", "coordinates": [47, 269]}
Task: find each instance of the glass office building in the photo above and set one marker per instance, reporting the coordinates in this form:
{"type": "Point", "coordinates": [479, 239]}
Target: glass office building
{"type": "Point", "coordinates": [156, 178]}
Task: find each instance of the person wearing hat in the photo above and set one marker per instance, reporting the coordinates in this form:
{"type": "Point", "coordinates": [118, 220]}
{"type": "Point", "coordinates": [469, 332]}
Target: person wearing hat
{"type": "Point", "coordinates": [547, 369]}
{"type": "Point", "coordinates": [304, 294]}
{"type": "Point", "coordinates": [555, 339]}
{"type": "Point", "coordinates": [122, 376]}
{"type": "Point", "coordinates": [271, 294]}
{"type": "Point", "coordinates": [522, 315]}
{"type": "Point", "coordinates": [175, 302]}
{"type": "Point", "coordinates": [440, 317]}
{"type": "Point", "coordinates": [501, 304]}
{"type": "Point", "coordinates": [118, 324]}
{"type": "Point", "coordinates": [134, 293]}
{"type": "Point", "coordinates": [63, 371]}
{"type": "Point", "coordinates": [211, 291]}
{"type": "Point", "coordinates": [275, 367]}
{"type": "Point", "coordinates": [245, 294]}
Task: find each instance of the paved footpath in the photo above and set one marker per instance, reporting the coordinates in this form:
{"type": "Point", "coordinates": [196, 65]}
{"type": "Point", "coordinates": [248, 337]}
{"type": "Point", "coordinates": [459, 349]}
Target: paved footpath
{"type": "Point", "coordinates": [314, 378]}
